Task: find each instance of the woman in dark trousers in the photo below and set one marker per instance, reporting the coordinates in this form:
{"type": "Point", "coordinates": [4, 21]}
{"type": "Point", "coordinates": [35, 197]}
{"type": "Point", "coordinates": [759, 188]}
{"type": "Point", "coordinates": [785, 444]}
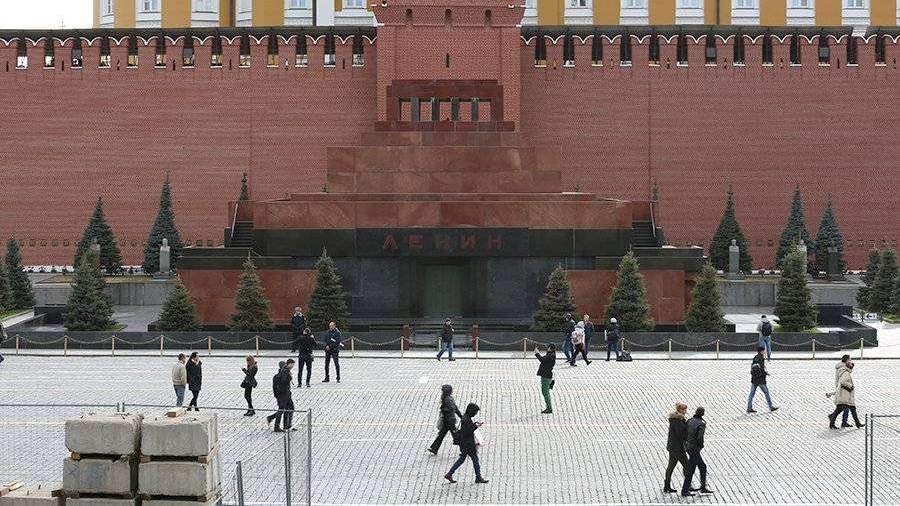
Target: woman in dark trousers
{"type": "Point", "coordinates": [675, 444]}
{"type": "Point", "coordinates": [467, 446]}
{"type": "Point", "coordinates": [194, 378]}
{"type": "Point", "coordinates": [249, 383]}
{"type": "Point", "coordinates": [449, 412]}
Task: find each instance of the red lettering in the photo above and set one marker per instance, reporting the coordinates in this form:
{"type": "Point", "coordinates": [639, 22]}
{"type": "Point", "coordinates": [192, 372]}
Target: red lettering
{"type": "Point", "coordinates": [467, 241]}
{"type": "Point", "coordinates": [442, 242]}
{"type": "Point", "coordinates": [390, 243]}
{"type": "Point", "coordinates": [415, 241]}
{"type": "Point", "coordinates": [495, 242]}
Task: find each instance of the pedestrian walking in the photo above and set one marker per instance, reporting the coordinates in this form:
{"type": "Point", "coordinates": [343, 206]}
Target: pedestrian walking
{"type": "Point", "coordinates": [696, 430]}
{"type": "Point", "coordinates": [304, 346]}
{"type": "Point", "coordinates": [545, 371]}
{"type": "Point", "coordinates": [467, 444]}
{"type": "Point", "coordinates": [3, 337]}
{"type": "Point", "coordinates": [612, 338]}
{"type": "Point", "coordinates": [675, 444]}
{"type": "Point", "coordinates": [179, 379]}
{"type": "Point", "coordinates": [447, 418]}
{"type": "Point", "coordinates": [764, 329]}
{"type": "Point", "coordinates": [194, 369]}
{"type": "Point", "coordinates": [281, 388]}
{"type": "Point", "coordinates": [298, 325]}
{"type": "Point", "coordinates": [333, 347]}
{"type": "Point", "coordinates": [845, 396]}
{"type": "Point", "coordinates": [568, 347]}
{"type": "Point", "coordinates": [446, 340]}
{"type": "Point", "coordinates": [578, 344]}
{"type": "Point", "coordinates": [758, 380]}
{"type": "Point", "coordinates": [837, 386]}
{"type": "Point", "coordinates": [249, 383]}
{"type": "Point", "coordinates": [588, 333]}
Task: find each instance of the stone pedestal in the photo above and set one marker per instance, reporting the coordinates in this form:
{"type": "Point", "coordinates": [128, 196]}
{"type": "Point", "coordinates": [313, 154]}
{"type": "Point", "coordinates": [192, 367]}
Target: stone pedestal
{"type": "Point", "coordinates": [165, 261]}
{"type": "Point", "coordinates": [734, 261]}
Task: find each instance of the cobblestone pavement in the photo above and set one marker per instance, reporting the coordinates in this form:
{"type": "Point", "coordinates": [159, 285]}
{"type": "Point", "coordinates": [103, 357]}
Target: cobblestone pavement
{"type": "Point", "coordinates": [605, 443]}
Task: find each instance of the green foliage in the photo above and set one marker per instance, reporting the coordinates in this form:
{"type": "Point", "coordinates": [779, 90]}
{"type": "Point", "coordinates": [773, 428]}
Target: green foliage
{"type": "Point", "coordinates": [793, 307]}
{"type": "Point", "coordinates": [794, 231]}
{"type": "Point", "coordinates": [883, 287]}
{"type": "Point", "coordinates": [729, 229]}
{"type": "Point", "coordinates": [178, 312]}
{"type": "Point", "coordinates": [251, 308]}
{"type": "Point", "coordinates": [862, 296]}
{"type": "Point", "coordinates": [4, 288]}
{"type": "Point", "coordinates": [705, 311]}
{"type": "Point", "coordinates": [895, 298]}
{"type": "Point", "coordinates": [829, 235]}
{"type": "Point", "coordinates": [97, 228]}
{"type": "Point", "coordinates": [19, 292]}
{"type": "Point", "coordinates": [328, 303]}
{"type": "Point", "coordinates": [163, 227]}
{"type": "Point", "coordinates": [245, 189]}
{"type": "Point", "coordinates": [89, 307]}
{"type": "Point", "coordinates": [555, 304]}
{"type": "Point", "coordinates": [628, 301]}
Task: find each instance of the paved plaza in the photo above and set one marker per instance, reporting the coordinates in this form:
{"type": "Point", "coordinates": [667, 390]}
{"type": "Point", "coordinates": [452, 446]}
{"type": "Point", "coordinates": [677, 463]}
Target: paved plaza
{"type": "Point", "coordinates": [604, 444]}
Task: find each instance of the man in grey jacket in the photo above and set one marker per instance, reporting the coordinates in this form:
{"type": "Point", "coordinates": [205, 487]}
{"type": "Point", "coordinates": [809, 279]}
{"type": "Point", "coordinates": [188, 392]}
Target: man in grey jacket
{"type": "Point", "coordinates": [693, 443]}
{"type": "Point", "coordinates": [179, 379]}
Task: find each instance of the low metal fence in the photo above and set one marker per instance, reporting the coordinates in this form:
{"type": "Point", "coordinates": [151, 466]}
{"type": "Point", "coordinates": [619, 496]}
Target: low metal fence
{"type": "Point", "coordinates": [882, 461]}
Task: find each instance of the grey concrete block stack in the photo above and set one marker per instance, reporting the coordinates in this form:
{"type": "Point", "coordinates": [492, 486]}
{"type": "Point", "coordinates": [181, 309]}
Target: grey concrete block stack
{"type": "Point", "coordinates": [102, 469]}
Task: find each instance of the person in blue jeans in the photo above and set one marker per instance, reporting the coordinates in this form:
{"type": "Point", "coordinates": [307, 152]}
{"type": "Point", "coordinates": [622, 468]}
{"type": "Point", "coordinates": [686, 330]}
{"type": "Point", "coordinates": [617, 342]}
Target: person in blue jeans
{"type": "Point", "coordinates": [179, 379]}
{"type": "Point", "coordinates": [446, 340]}
{"type": "Point", "coordinates": [837, 386]}
{"type": "Point", "coordinates": [758, 380]}
{"type": "Point", "coordinates": [764, 329]}
{"type": "Point", "coordinates": [467, 444]}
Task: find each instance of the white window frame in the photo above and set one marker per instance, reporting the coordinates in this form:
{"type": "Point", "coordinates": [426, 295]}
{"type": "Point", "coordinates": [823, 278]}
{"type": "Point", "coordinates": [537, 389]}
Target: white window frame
{"type": "Point", "coordinates": [689, 4]}
{"type": "Point", "coordinates": [298, 4]}
{"type": "Point", "coordinates": [204, 6]}
{"type": "Point", "coordinates": [801, 4]}
{"type": "Point", "coordinates": [21, 62]}
{"type": "Point", "coordinates": [149, 5]}
{"type": "Point", "coordinates": [245, 5]}
{"type": "Point", "coordinates": [354, 4]}
{"type": "Point", "coordinates": [854, 4]}
{"type": "Point", "coordinates": [745, 4]}
{"type": "Point", "coordinates": [107, 7]}
{"type": "Point", "coordinates": [634, 4]}
{"type": "Point", "coordinates": [580, 4]}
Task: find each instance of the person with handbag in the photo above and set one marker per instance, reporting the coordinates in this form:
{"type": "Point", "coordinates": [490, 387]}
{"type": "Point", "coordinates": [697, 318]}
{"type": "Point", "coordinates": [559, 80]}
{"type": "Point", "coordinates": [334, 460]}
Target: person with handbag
{"type": "Point", "coordinates": [844, 396]}
{"type": "Point", "coordinates": [249, 383]}
{"type": "Point", "coordinates": [447, 418]}
{"type": "Point", "coordinates": [545, 371]}
{"type": "Point", "coordinates": [468, 446]}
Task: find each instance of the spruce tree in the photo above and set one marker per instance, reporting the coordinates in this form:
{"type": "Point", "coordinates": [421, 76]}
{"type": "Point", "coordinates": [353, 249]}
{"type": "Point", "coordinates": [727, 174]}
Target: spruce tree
{"type": "Point", "coordinates": [827, 236]}
{"type": "Point", "coordinates": [89, 307]}
{"type": "Point", "coordinates": [793, 308]}
{"type": "Point", "coordinates": [245, 190]}
{"type": "Point", "coordinates": [178, 312]}
{"type": "Point", "coordinates": [163, 227]}
{"type": "Point", "coordinates": [20, 294]}
{"type": "Point", "coordinates": [794, 231]}
{"type": "Point", "coordinates": [4, 288]}
{"type": "Point", "coordinates": [555, 304]}
{"type": "Point", "coordinates": [895, 298]}
{"type": "Point", "coordinates": [729, 229]}
{"type": "Point", "coordinates": [883, 287]}
{"type": "Point", "coordinates": [628, 301]}
{"type": "Point", "coordinates": [251, 308]}
{"type": "Point", "coordinates": [862, 295]}
{"type": "Point", "coordinates": [97, 228]}
{"type": "Point", "coordinates": [328, 302]}
{"type": "Point", "coordinates": [705, 311]}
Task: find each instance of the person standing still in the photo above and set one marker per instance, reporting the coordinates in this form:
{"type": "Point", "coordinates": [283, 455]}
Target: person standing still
{"type": "Point", "coordinates": [332, 351]}
{"type": "Point", "coordinates": [612, 338]}
{"type": "Point", "coordinates": [179, 379]}
{"type": "Point", "coordinates": [568, 347]}
{"type": "Point", "coordinates": [249, 384]}
{"type": "Point", "coordinates": [447, 418]}
{"type": "Point", "coordinates": [758, 380]}
{"type": "Point", "coordinates": [194, 370]}
{"type": "Point", "coordinates": [467, 444]}
{"type": "Point", "coordinates": [675, 444]}
{"type": "Point", "coordinates": [588, 333]}
{"type": "Point", "coordinates": [3, 337]}
{"type": "Point", "coordinates": [545, 371]}
{"type": "Point", "coordinates": [764, 329]}
{"type": "Point", "coordinates": [446, 340]}
{"type": "Point", "coordinates": [298, 324]}
{"type": "Point", "coordinates": [696, 430]}
{"type": "Point", "coordinates": [305, 346]}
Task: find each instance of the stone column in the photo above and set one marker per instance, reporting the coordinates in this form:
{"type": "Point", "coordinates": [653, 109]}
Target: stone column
{"type": "Point", "coordinates": [164, 258]}
{"type": "Point", "coordinates": [734, 261]}
{"type": "Point", "coordinates": [834, 268]}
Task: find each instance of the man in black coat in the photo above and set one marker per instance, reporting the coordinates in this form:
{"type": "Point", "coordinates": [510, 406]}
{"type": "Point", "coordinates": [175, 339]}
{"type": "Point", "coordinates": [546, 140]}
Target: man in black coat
{"type": "Point", "coordinates": [612, 338]}
{"type": "Point", "coordinates": [449, 413]}
{"type": "Point", "coordinates": [305, 345]}
{"type": "Point", "coordinates": [758, 380]}
{"type": "Point", "coordinates": [194, 369]}
{"type": "Point", "coordinates": [281, 388]}
{"type": "Point", "coordinates": [696, 430]}
{"type": "Point", "coordinates": [467, 445]}
{"type": "Point", "coordinates": [298, 324]}
{"type": "Point", "coordinates": [332, 350]}
{"type": "Point", "coordinates": [446, 340]}
{"type": "Point", "coordinates": [545, 371]}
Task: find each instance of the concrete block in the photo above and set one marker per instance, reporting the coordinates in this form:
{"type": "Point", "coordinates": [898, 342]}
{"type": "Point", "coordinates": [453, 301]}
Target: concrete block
{"type": "Point", "coordinates": [179, 478]}
{"type": "Point", "coordinates": [31, 497]}
{"type": "Point", "coordinates": [101, 501]}
{"type": "Point", "coordinates": [104, 434]}
{"type": "Point", "coordinates": [170, 502]}
{"type": "Point", "coordinates": [99, 476]}
{"type": "Point", "coordinates": [188, 435]}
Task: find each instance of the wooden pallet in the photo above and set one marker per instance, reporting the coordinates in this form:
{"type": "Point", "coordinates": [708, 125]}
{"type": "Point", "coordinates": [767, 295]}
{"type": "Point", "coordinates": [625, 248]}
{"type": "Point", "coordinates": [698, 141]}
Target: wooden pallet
{"type": "Point", "coordinates": [203, 459]}
{"type": "Point", "coordinates": [6, 488]}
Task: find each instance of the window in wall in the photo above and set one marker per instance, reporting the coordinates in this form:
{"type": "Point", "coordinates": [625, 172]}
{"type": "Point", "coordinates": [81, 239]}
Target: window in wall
{"type": "Point", "coordinates": [530, 4]}
{"type": "Point", "coordinates": [824, 50]}
{"type": "Point", "coordinates": [49, 55]}
{"type": "Point", "coordinates": [358, 57]}
{"type": "Point", "coordinates": [187, 52]}
{"type": "Point", "coordinates": [149, 5]}
{"type": "Point", "coordinates": [681, 50]}
{"type": "Point", "coordinates": [205, 5]}
{"type": "Point", "coordinates": [540, 51]}
{"type": "Point", "coordinates": [298, 4]}
{"type": "Point", "coordinates": [22, 55]}
{"type": "Point", "coordinates": [107, 7]}
{"type": "Point", "coordinates": [634, 4]}
{"type": "Point", "coordinates": [353, 4]}
{"type": "Point", "coordinates": [272, 51]}
{"type": "Point", "coordinates": [302, 58]}
{"type": "Point", "coordinates": [738, 57]}
{"type": "Point", "coordinates": [851, 50]}
{"type": "Point", "coordinates": [77, 58]}
{"type": "Point", "coordinates": [625, 49]}
{"type": "Point", "coordinates": [104, 53]}
{"type": "Point", "coordinates": [711, 51]}
{"type": "Point", "coordinates": [329, 57]}
{"type": "Point", "coordinates": [160, 51]}
{"type": "Point", "coordinates": [855, 4]}
{"type": "Point", "coordinates": [132, 52]}
{"type": "Point", "coordinates": [767, 49]}
{"type": "Point", "coordinates": [245, 5]}
{"type": "Point", "coordinates": [880, 50]}
{"type": "Point", "coordinates": [795, 50]}
{"type": "Point", "coordinates": [801, 4]}
{"type": "Point", "coordinates": [568, 51]}
{"type": "Point", "coordinates": [245, 51]}
{"type": "Point", "coordinates": [216, 57]}
{"type": "Point", "coordinates": [745, 4]}
{"type": "Point", "coordinates": [653, 50]}
{"type": "Point", "coordinates": [597, 50]}
{"type": "Point", "coordinates": [577, 3]}
{"type": "Point", "coordinates": [689, 4]}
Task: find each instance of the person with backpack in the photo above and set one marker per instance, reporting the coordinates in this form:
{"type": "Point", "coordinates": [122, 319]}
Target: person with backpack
{"type": "Point", "coordinates": [468, 446]}
{"type": "Point", "coordinates": [612, 338]}
{"type": "Point", "coordinates": [764, 329]}
{"type": "Point", "coordinates": [693, 444]}
{"type": "Point", "coordinates": [758, 380]}
{"type": "Point", "coordinates": [281, 388]}
{"type": "Point", "coordinates": [568, 347]}
{"type": "Point", "coordinates": [545, 371]}
{"type": "Point", "coordinates": [249, 384]}
{"type": "Point", "coordinates": [447, 418]}
{"type": "Point", "coordinates": [675, 445]}
{"type": "Point", "coordinates": [578, 343]}
{"type": "Point", "coordinates": [446, 340]}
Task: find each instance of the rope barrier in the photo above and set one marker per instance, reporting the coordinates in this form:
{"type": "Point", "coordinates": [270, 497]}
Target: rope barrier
{"type": "Point", "coordinates": [134, 343]}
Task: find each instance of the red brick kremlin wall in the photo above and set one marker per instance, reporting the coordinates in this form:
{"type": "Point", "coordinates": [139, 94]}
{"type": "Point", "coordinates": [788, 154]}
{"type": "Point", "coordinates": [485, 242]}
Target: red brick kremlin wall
{"type": "Point", "coordinates": [67, 137]}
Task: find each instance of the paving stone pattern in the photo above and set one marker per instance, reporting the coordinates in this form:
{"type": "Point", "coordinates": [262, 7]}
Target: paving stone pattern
{"type": "Point", "coordinates": [604, 444]}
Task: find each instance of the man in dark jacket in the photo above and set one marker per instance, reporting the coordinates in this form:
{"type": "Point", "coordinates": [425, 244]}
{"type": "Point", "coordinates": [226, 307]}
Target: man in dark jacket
{"type": "Point", "coordinates": [194, 369]}
{"type": "Point", "coordinates": [305, 344]}
{"type": "Point", "coordinates": [675, 444]}
{"type": "Point", "coordinates": [332, 350]}
{"type": "Point", "coordinates": [545, 371]}
{"type": "Point", "coordinates": [568, 347]}
{"type": "Point", "coordinates": [446, 340]}
{"type": "Point", "coordinates": [588, 334]}
{"type": "Point", "coordinates": [467, 444]}
{"type": "Point", "coordinates": [612, 338]}
{"type": "Point", "coordinates": [758, 380]}
{"type": "Point", "coordinates": [298, 324]}
{"type": "Point", "coordinates": [696, 430]}
{"type": "Point", "coordinates": [448, 418]}
{"type": "Point", "coordinates": [281, 388]}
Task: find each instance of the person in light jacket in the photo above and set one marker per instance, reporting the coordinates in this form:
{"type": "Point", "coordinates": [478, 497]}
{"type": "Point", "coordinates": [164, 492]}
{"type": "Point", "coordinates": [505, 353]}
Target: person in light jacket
{"type": "Point", "coordinates": [845, 396]}
{"type": "Point", "coordinates": [837, 385]}
{"type": "Point", "coordinates": [448, 418]}
{"type": "Point", "coordinates": [578, 344]}
{"type": "Point", "coordinates": [179, 379]}
{"type": "Point", "coordinates": [249, 384]}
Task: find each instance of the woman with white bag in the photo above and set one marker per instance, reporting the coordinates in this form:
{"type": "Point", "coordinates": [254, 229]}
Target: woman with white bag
{"type": "Point", "coordinates": [446, 418]}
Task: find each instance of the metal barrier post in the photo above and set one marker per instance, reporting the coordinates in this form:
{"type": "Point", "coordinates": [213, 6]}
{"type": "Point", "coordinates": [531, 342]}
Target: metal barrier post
{"type": "Point", "coordinates": [670, 349]}
{"type": "Point", "coordinates": [257, 346]}
{"type": "Point", "coordinates": [860, 347]}
{"type": "Point", "coordinates": [525, 348]}
{"type": "Point", "coordinates": [65, 345]}
{"type": "Point", "coordinates": [309, 457]}
{"type": "Point", "coordinates": [717, 349]}
{"type": "Point", "coordinates": [866, 461]}
{"type": "Point", "coordinates": [240, 484]}
{"type": "Point", "coordinates": [113, 345]}
{"type": "Point", "coordinates": [208, 346]}
{"type": "Point", "coordinates": [477, 339]}
{"type": "Point", "coordinates": [814, 349]}
{"type": "Point", "coordinates": [162, 340]}
{"type": "Point", "coordinates": [401, 346]}
{"type": "Point", "coordinates": [17, 344]}
{"type": "Point", "coordinates": [352, 346]}
{"type": "Point", "coordinates": [287, 467]}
